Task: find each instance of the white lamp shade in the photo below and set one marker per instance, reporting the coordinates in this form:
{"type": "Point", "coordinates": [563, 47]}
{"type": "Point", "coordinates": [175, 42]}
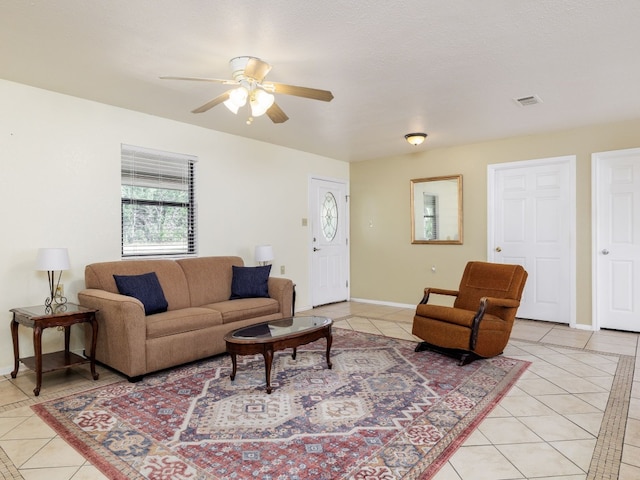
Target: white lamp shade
{"type": "Point", "coordinates": [237, 99]}
{"type": "Point", "coordinates": [52, 259]}
{"type": "Point", "coordinates": [264, 253]}
{"type": "Point", "coordinates": [260, 101]}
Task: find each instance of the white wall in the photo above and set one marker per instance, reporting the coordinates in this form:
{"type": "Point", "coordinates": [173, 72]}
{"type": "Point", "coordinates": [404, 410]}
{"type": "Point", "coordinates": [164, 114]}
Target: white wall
{"type": "Point", "coordinates": [60, 186]}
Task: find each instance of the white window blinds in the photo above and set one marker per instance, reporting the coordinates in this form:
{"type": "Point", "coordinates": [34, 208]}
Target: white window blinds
{"type": "Point", "coordinates": [158, 202]}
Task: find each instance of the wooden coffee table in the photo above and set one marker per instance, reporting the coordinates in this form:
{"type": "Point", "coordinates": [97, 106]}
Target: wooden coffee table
{"type": "Point", "coordinates": [274, 335]}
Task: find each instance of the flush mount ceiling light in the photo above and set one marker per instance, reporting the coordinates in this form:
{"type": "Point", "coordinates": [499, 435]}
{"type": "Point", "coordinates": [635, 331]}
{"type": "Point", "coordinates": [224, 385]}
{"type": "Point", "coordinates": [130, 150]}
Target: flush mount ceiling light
{"type": "Point", "coordinates": [415, 139]}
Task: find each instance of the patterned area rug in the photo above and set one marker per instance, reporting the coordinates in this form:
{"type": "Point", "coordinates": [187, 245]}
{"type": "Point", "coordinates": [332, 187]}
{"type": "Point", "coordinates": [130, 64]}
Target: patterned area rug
{"type": "Point", "coordinates": [383, 412]}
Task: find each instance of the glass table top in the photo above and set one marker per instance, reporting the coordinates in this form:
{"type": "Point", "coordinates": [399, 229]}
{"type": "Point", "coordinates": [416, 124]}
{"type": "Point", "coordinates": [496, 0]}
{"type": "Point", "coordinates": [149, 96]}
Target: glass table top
{"type": "Point", "coordinates": [280, 328]}
{"type": "Point", "coordinates": [45, 311]}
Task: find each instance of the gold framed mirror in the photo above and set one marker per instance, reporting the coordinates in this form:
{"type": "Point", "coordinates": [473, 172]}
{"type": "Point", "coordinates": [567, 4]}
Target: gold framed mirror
{"type": "Point", "coordinates": [436, 210]}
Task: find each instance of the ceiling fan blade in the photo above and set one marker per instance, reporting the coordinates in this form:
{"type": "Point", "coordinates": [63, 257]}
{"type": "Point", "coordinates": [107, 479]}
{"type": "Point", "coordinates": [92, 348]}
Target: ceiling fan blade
{"type": "Point", "coordinates": [276, 114]}
{"type": "Point", "coordinates": [312, 93]}
{"type": "Point", "coordinates": [212, 103]}
{"type": "Point", "coordinates": [257, 69]}
{"type": "Point", "coordinates": [200, 79]}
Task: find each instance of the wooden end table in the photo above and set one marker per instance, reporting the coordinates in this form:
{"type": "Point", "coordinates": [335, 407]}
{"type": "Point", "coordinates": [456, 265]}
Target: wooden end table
{"type": "Point", "coordinates": [40, 317]}
{"type": "Point", "coordinates": [274, 335]}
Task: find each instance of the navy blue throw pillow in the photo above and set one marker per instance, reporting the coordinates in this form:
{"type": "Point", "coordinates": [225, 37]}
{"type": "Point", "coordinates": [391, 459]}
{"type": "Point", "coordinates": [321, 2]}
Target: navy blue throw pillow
{"type": "Point", "coordinates": [146, 288]}
{"type": "Point", "coordinates": [250, 282]}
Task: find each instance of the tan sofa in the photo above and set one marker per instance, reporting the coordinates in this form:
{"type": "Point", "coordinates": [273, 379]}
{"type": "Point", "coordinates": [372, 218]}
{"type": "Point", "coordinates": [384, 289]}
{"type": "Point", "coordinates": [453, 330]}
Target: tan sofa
{"type": "Point", "coordinates": [199, 312]}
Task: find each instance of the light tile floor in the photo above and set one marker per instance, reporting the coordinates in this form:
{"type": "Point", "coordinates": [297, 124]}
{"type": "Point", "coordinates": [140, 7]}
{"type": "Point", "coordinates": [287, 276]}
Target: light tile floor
{"type": "Point", "coordinates": [571, 416]}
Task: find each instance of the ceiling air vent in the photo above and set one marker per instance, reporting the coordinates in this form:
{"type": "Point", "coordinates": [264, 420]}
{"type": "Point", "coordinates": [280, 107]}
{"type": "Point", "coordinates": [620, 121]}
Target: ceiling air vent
{"type": "Point", "coordinates": [527, 101]}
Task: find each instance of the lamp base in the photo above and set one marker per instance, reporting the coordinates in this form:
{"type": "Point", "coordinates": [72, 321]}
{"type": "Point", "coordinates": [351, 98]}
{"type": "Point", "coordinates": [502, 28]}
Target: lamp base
{"type": "Point", "coordinates": [54, 300]}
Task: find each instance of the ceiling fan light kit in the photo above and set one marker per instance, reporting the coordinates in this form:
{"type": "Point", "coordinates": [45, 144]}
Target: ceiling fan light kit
{"type": "Point", "coordinates": [261, 101]}
{"type": "Point", "coordinates": [248, 74]}
{"type": "Point", "coordinates": [237, 99]}
{"type": "Point", "coordinates": [415, 139]}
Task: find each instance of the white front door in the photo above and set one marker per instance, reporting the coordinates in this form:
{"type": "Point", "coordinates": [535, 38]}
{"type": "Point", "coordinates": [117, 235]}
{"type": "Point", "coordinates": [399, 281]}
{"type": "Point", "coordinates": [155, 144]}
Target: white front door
{"type": "Point", "coordinates": [531, 216]}
{"type": "Point", "coordinates": [329, 241]}
{"type": "Point", "coordinates": [616, 275]}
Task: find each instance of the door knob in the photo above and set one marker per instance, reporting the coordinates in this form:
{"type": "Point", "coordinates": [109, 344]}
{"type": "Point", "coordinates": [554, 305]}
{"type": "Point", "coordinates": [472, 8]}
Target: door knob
{"type": "Point", "coordinates": [498, 249]}
{"type": "Point", "coordinates": [605, 252]}
{"type": "Point", "coordinates": [315, 249]}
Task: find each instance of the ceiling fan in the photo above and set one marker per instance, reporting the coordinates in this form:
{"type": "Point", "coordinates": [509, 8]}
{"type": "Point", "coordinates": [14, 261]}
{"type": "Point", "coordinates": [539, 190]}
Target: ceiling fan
{"type": "Point", "coordinates": [248, 76]}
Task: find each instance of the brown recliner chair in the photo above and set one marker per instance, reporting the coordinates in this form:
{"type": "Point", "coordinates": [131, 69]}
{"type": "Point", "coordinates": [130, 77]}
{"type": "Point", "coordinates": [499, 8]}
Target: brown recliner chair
{"type": "Point", "coordinates": [479, 323]}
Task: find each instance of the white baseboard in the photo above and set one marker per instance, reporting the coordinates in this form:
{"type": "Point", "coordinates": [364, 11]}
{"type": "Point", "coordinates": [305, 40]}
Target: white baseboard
{"type": "Point", "coordinates": [579, 326]}
{"type": "Point", "coordinates": [388, 304]}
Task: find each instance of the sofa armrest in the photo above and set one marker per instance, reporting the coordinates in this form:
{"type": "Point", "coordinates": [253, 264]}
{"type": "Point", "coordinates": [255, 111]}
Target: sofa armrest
{"type": "Point", "coordinates": [122, 330]}
{"type": "Point", "coordinates": [281, 289]}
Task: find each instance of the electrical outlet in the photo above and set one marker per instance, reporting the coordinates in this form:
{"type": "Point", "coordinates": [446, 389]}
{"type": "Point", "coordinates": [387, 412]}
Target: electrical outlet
{"type": "Point", "coordinates": [60, 291]}
{"type": "Point", "coordinates": [281, 269]}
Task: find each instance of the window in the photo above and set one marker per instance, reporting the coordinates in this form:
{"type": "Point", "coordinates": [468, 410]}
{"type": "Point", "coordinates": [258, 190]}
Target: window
{"type": "Point", "coordinates": [430, 217]}
{"type": "Point", "coordinates": [329, 216]}
{"type": "Point", "coordinates": [158, 202]}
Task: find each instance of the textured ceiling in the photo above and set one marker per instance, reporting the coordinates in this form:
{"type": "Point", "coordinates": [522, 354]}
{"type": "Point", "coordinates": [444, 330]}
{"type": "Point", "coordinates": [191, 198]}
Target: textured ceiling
{"type": "Point", "coordinates": [449, 68]}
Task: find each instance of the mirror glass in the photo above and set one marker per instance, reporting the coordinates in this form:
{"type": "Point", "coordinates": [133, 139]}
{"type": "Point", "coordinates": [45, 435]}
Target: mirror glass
{"type": "Point", "coordinates": [436, 210]}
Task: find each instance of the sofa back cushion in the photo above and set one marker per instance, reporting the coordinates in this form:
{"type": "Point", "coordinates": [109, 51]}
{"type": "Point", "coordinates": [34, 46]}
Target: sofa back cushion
{"type": "Point", "coordinates": [170, 275]}
{"type": "Point", "coordinates": [209, 278]}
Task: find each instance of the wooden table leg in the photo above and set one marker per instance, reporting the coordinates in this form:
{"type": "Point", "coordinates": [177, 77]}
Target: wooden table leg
{"type": "Point", "coordinates": [329, 341]}
{"type": "Point", "coordinates": [268, 360]}
{"type": "Point", "coordinates": [234, 362]}
{"type": "Point", "coordinates": [67, 342]}
{"type": "Point", "coordinates": [94, 341]}
{"type": "Point", "coordinates": [37, 347]}
{"type": "Point", "coordinates": [16, 347]}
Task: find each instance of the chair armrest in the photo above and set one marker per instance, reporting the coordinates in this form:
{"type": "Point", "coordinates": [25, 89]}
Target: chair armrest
{"type": "Point", "coordinates": [485, 302]}
{"type": "Point", "coordinates": [500, 302]}
{"type": "Point", "coordinates": [439, 291]}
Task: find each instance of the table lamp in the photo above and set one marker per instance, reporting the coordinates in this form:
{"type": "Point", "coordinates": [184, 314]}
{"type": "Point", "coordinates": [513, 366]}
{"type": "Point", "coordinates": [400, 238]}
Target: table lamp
{"type": "Point", "coordinates": [50, 260]}
{"type": "Point", "coordinates": [264, 254]}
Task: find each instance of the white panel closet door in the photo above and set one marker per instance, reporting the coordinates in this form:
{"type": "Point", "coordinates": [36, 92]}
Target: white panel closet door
{"type": "Point", "coordinates": [616, 181]}
{"type": "Point", "coordinates": [531, 222]}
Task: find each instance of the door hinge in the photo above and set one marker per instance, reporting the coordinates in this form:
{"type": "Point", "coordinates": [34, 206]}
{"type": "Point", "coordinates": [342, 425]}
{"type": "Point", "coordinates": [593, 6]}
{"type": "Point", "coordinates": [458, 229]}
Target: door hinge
{"type": "Point", "coordinates": [346, 198]}
{"type": "Point", "coordinates": [347, 283]}
{"type": "Point", "coordinates": [346, 241]}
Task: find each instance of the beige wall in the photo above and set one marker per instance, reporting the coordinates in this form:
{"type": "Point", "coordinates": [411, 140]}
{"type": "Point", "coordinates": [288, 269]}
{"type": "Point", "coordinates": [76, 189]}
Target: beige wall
{"type": "Point", "coordinates": [60, 187]}
{"type": "Point", "coordinates": [386, 267]}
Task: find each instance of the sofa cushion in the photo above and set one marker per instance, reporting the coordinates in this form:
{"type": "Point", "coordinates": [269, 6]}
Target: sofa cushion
{"type": "Point", "coordinates": [179, 321]}
{"type": "Point", "coordinates": [250, 282]}
{"type": "Point", "coordinates": [170, 275]}
{"type": "Point", "coordinates": [245, 308]}
{"type": "Point", "coordinates": [209, 278]}
{"type": "Point", "coordinates": [459, 316]}
{"type": "Point", "coordinates": [144, 287]}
